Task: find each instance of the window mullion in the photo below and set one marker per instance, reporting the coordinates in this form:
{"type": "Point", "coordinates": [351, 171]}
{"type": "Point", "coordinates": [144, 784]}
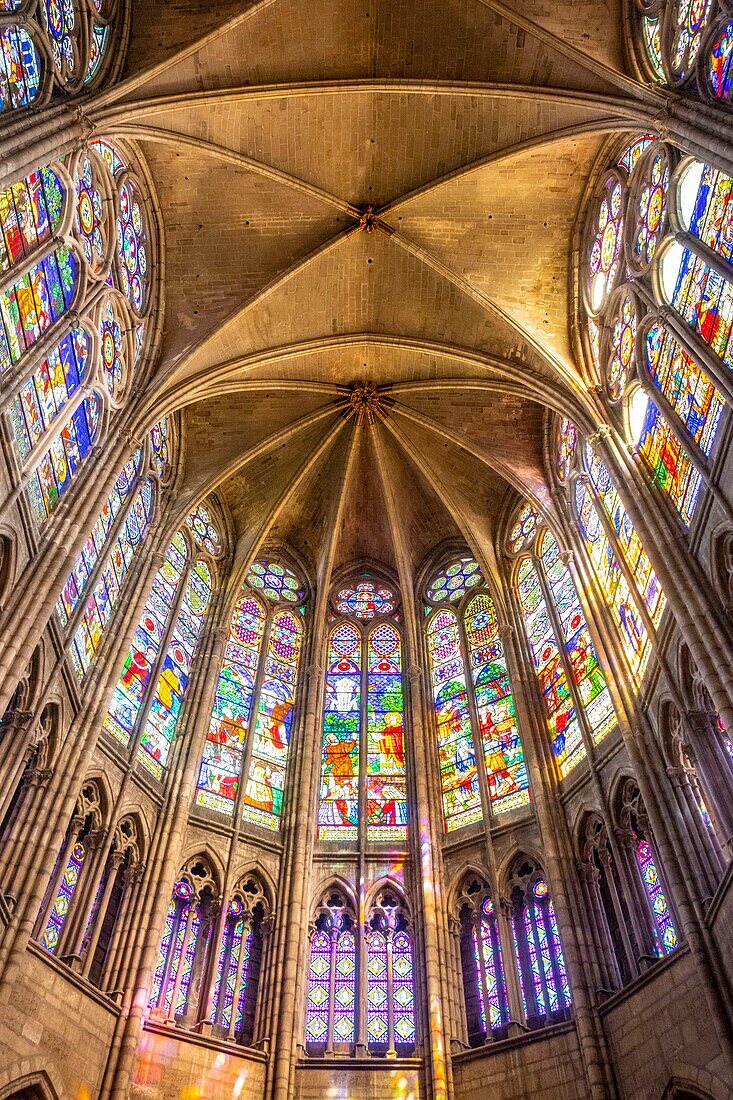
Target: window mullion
{"type": "Point", "coordinates": [247, 754]}
{"type": "Point", "coordinates": [479, 751]}
{"type": "Point", "coordinates": [363, 742]}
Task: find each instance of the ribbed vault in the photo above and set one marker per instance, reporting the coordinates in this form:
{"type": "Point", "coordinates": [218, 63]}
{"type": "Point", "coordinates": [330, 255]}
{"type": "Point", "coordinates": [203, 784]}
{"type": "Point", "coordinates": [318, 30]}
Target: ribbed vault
{"type": "Point", "coordinates": [376, 193]}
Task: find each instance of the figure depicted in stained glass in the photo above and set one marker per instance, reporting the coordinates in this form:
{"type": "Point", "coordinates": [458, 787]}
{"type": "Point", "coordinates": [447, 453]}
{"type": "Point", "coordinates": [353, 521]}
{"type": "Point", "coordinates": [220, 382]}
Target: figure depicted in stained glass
{"type": "Point", "coordinates": [251, 722]}
{"type": "Point", "coordinates": [455, 645]}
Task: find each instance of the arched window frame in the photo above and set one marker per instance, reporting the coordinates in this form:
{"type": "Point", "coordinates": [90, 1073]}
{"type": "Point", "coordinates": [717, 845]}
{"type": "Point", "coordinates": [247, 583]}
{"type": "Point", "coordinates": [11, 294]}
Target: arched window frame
{"type": "Point", "coordinates": [483, 970]}
{"type": "Point", "coordinates": [607, 902]}
{"type": "Point", "coordinates": [334, 989]}
{"type": "Point", "coordinates": [68, 56]}
{"type": "Point", "coordinates": [657, 929]}
{"type": "Point", "coordinates": [666, 385]}
{"type": "Point", "coordinates": [185, 946]}
{"type": "Point", "coordinates": [696, 809]}
{"type": "Point", "coordinates": [62, 391]}
{"type": "Point", "coordinates": [180, 597]}
{"type": "Point", "coordinates": [527, 543]}
{"type": "Point", "coordinates": [244, 927]}
{"type": "Point", "coordinates": [223, 730]}
{"type": "Point", "coordinates": [538, 951]}
{"type": "Point", "coordinates": [71, 872]}
{"type": "Point", "coordinates": [391, 1026]}
{"type": "Point", "coordinates": [365, 782]}
{"type": "Point", "coordinates": [482, 808]}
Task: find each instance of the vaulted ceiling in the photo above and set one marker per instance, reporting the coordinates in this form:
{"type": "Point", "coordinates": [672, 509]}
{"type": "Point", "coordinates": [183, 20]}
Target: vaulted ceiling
{"type": "Point", "coordinates": [379, 192]}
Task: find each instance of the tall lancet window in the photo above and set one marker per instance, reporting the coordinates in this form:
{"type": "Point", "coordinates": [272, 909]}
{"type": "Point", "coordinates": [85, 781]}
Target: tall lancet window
{"type": "Point", "coordinates": [363, 782]}
{"type": "Point", "coordinates": [482, 963]}
{"type": "Point", "coordinates": [147, 700]}
{"type": "Point", "coordinates": [243, 769]}
{"type": "Point", "coordinates": [332, 977]}
{"type": "Point", "coordinates": [660, 321]}
{"type": "Point", "coordinates": [390, 990]}
{"type": "Point", "coordinates": [577, 700]}
{"type": "Point", "coordinates": [473, 699]}
{"type": "Point", "coordinates": [622, 568]}
{"type": "Point", "coordinates": [537, 947]}
{"type": "Point", "coordinates": [184, 948]}
{"type": "Point", "coordinates": [238, 962]}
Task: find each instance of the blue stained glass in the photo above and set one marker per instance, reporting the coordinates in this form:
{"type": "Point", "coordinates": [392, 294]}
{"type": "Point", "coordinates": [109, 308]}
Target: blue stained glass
{"type": "Point", "coordinates": [665, 932]}
{"type": "Point", "coordinates": [64, 895]}
{"type": "Point", "coordinates": [20, 68]}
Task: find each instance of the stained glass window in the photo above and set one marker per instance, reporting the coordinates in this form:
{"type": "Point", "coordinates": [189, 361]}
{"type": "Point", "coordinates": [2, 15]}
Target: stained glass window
{"type": "Point", "coordinates": [524, 531]}
{"type": "Point", "coordinates": [386, 786]}
{"type": "Point", "coordinates": [365, 600]}
{"type": "Point", "coordinates": [265, 787]}
{"type": "Point", "coordinates": [390, 986]}
{"type": "Point", "coordinates": [164, 646]}
{"type": "Point", "coordinates": [237, 969]}
{"type": "Point", "coordinates": [688, 280]}
{"type": "Point", "coordinates": [629, 542]}
{"type": "Point", "coordinates": [170, 690]}
{"type": "Point", "coordinates": [586, 675]}
{"type": "Point", "coordinates": [487, 1007]}
{"type": "Point", "coordinates": [665, 933]}
{"type": "Point", "coordinates": [34, 301]}
{"type": "Point", "coordinates": [49, 390]}
{"type": "Point", "coordinates": [455, 645]}
{"type": "Point", "coordinates": [567, 447]}
{"type": "Point", "coordinates": [204, 529]}
{"type": "Point", "coordinates": [185, 934]}
{"type": "Point", "coordinates": [615, 587]}
{"type": "Point", "coordinates": [718, 71]}
{"type": "Point", "coordinates": [543, 976]}
{"type": "Point", "coordinates": [30, 213]}
{"type": "Point", "coordinates": [670, 464]}
{"type": "Point", "coordinates": [338, 816]}
{"type": "Point", "coordinates": [64, 895]}
{"type": "Point", "coordinates": [453, 583]}
{"type": "Point", "coordinates": [573, 686]}
{"type": "Point", "coordinates": [160, 447]}
{"type": "Point", "coordinates": [332, 978]}
{"type": "Point", "coordinates": [506, 770]}
{"type": "Point", "coordinates": [456, 751]}
{"type": "Point", "coordinates": [672, 35]}
{"type": "Point", "coordinates": [48, 483]}
{"type": "Point", "coordinates": [102, 530]}
{"type": "Point", "coordinates": [20, 68]}
{"type": "Point", "coordinates": [565, 735]}
{"type": "Point", "coordinates": [319, 985]}
{"type": "Point", "coordinates": [257, 681]}
{"type": "Point", "coordinates": [275, 581]}
{"type": "Point", "coordinates": [103, 599]}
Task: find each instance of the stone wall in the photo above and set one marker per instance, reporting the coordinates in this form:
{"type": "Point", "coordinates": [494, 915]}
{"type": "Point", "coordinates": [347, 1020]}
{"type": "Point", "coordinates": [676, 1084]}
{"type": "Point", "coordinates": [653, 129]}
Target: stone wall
{"type": "Point", "coordinates": [49, 1015]}
{"type": "Point", "coordinates": [660, 1024]}
{"type": "Point", "coordinates": [181, 1066]}
{"type": "Point", "coordinates": [545, 1067]}
{"type": "Point", "coordinates": [385, 1081]}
